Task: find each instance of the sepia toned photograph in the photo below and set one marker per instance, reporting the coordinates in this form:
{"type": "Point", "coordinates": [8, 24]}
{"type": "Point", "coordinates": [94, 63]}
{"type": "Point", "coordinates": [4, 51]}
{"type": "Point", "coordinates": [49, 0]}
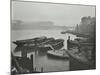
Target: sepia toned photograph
{"type": "Point", "coordinates": [52, 37]}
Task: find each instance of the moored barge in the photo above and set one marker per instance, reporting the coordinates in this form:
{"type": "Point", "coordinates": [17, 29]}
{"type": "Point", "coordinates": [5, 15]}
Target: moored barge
{"type": "Point", "coordinates": [58, 54]}
{"type": "Point", "coordinates": [41, 43]}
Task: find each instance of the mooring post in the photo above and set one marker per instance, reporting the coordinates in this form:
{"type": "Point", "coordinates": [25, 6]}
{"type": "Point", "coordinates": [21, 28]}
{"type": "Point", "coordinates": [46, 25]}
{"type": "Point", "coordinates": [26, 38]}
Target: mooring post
{"type": "Point", "coordinates": [32, 68]}
{"type": "Point", "coordinates": [68, 43]}
{"type": "Point", "coordinates": [41, 69]}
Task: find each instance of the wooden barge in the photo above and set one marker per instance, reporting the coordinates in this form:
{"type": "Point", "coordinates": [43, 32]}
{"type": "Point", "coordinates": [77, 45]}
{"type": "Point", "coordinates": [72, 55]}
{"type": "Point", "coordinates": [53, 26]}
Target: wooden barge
{"type": "Point", "coordinates": [42, 43]}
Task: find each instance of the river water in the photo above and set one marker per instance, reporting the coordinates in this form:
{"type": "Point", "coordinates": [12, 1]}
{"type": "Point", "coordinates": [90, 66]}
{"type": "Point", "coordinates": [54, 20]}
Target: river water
{"type": "Point", "coordinates": [42, 60]}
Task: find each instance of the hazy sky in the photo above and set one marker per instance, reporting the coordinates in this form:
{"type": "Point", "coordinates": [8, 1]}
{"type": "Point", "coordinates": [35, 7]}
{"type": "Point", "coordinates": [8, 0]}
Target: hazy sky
{"type": "Point", "coordinates": [60, 14]}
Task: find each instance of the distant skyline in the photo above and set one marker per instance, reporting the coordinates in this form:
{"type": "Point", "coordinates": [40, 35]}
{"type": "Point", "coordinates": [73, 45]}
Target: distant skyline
{"type": "Point", "coordinates": [60, 14]}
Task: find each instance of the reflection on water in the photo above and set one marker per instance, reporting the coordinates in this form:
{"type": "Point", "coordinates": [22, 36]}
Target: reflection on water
{"type": "Point", "coordinates": [50, 63]}
{"type": "Point", "coordinates": [40, 57]}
